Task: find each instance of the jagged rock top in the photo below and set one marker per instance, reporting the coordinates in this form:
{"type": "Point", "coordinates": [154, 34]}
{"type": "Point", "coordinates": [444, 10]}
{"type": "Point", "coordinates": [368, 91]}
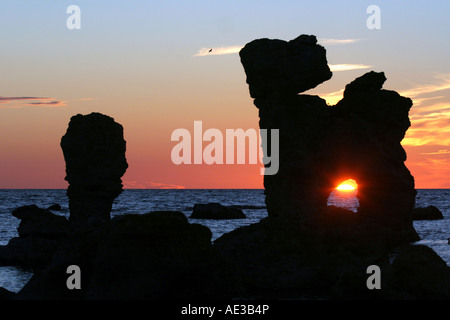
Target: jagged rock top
{"type": "Point", "coordinates": [280, 67]}
{"type": "Point", "coordinates": [370, 82]}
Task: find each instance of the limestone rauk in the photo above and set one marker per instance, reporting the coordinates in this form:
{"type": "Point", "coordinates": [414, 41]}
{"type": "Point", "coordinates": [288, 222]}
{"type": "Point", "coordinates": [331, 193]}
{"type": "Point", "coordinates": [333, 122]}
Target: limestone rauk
{"type": "Point", "coordinates": [320, 145]}
{"type": "Point", "coordinates": [94, 151]}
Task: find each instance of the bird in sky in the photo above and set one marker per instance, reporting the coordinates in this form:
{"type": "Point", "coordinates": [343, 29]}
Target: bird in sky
{"type": "Point", "coordinates": [210, 50]}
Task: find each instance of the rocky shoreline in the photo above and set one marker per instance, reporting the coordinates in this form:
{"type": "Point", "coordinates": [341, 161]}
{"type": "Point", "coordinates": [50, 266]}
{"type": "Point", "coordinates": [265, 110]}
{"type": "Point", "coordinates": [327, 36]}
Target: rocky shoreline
{"type": "Point", "coordinates": [160, 255]}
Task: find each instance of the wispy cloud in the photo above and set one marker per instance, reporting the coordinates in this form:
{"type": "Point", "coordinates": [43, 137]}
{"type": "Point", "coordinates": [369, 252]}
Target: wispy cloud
{"type": "Point", "coordinates": [430, 110]}
{"type": "Point", "coordinates": [20, 102]}
{"type": "Point", "coordinates": [346, 67]}
{"type": "Point", "coordinates": [429, 129]}
{"type": "Point", "coordinates": [325, 41]}
{"type": "Point", "coordinates": [150, 185]}
{"type": "Point", "coordinates": [430, 116]}
{"type": "Point", "coordinates": [442, 83]}
{"type": "Point", "coordinates": [20, 98]}
{"type": "Point", "coordinates": [439, 152]}
{"type": "Point", "coordinates": [422, 100]}
{"type": "Point", "coordinates": [216, 51]}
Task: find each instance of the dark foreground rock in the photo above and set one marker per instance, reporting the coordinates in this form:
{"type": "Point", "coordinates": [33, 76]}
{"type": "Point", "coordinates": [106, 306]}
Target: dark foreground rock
{"type": "Point", "coordinates": [276, 260]}
{"type": "Point", "coordinates": [427, 213]}
{"type": "Point", "coordinates": [40, 232]}
{"type": "Point", "coordinates": [55, 207]}
{"type": "Point", "coordinates": [420, 273]}
{"type": "Point", "coordinates": [216, 211]}
{"type": "Point", "coordinates": [6, 294]}
{"type": "Point", "coordinates": [158, 255]}
{"type": "Point", "coordinates": [38, 222]}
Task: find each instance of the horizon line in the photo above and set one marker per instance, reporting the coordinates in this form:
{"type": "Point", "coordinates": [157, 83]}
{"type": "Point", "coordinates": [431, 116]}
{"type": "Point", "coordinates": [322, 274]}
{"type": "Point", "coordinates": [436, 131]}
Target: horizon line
{"type": "Point", "coordinates": [2, 189]}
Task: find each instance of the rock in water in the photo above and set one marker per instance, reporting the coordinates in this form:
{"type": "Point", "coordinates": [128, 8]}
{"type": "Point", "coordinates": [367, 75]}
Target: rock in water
{"type": "Point", "coordinates": [40, 233]}
{"type": "Point", "coordinates": [427, 213]}
{"type": "Point", "coordinates": [38, 222]}
{"type": "Point", "coordinates": [216, 211]}
{"type": "Point", "coordinates": [322, 145]}
{"type": "Point", "coordinates": [94, 151]}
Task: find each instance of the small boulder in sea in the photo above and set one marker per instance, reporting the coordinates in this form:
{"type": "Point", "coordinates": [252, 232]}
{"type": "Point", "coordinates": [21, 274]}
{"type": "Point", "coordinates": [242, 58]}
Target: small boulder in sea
{"type": "Point", "coordinates": [216, 211]}
{"type": "Point", "coordinates": [39, 222]}
{"type": "Point", "coordinates": [427, 213]}
{"type": "Point", "coordinates": [40, 233]}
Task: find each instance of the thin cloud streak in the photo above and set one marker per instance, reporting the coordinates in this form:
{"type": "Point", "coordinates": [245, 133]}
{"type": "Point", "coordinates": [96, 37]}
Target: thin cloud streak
{"type": "Point", "coordinates": [48, 103]}
{"type": "Point", "coordinates": [439, 152]}
{"type": "Point", "coordinates": [325, 41]}
{"type": "Point", "coordinates": [346, 67]}
{"type": "Point", "coordinates": [150, 185]}
{"type": "Point", "coordinates": [443, 84]}
{"type": "Point", "coordinates": [432, 129]}
{"type": "Point", "coordinates": [7, 99]}
{"type": "Point", "coordinates": [20, 102]}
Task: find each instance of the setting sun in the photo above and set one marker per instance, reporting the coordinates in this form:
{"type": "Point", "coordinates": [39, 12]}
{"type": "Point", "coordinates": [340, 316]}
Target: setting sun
{"type": "Point", "coordinates": [347, 185]}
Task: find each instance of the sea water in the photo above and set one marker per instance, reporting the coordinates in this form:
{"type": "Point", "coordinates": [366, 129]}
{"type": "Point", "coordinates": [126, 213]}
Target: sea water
{"type": "Point", "coordinates": [433, 233]}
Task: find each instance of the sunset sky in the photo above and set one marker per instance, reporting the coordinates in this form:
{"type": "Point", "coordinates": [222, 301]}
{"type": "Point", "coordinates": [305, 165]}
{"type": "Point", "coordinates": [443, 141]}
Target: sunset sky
{"type": "Point", "coordinates": [147, 64]}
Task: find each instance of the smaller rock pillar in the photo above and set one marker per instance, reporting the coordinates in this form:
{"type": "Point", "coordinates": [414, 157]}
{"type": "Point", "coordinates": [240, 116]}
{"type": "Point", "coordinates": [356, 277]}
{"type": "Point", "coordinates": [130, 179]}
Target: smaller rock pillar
{"type": "Point", "coordinates": [94, 151]}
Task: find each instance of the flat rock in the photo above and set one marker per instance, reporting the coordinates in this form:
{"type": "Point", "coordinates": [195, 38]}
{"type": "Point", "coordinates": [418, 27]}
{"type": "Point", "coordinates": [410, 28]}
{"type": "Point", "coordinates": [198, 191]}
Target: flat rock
{"type": "Point", "coordinates": [216, 211]}
{"type": "Point", "coordinates": [427, 213]}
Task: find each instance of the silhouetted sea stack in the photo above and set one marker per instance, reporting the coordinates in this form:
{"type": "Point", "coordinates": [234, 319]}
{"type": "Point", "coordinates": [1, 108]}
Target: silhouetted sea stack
{"type": "Point", "coordinates": [321, 145]}
{"type": "Point", "coordinates": [94, 151]}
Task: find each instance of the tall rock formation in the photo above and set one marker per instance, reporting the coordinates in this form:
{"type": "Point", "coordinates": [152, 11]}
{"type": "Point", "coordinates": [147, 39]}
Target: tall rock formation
{"type": "Point", "coordinates": [321, 145]}
{"type": "Point", "coordinates": [94, 151]}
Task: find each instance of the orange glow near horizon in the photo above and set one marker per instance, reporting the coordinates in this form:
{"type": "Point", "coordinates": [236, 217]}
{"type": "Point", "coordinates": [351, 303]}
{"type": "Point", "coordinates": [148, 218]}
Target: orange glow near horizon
{"type": "Point", "coordinates": [347, 185]}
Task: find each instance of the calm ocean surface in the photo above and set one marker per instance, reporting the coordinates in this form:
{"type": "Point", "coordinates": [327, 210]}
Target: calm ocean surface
{"type": "Point", "coordinates": [433, 233]}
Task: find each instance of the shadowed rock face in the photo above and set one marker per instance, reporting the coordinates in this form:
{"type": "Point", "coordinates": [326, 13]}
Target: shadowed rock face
{"type": "Point", "coordinates": [321, 145]}
{"type": "Point", "coordinates": [94, 151]}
